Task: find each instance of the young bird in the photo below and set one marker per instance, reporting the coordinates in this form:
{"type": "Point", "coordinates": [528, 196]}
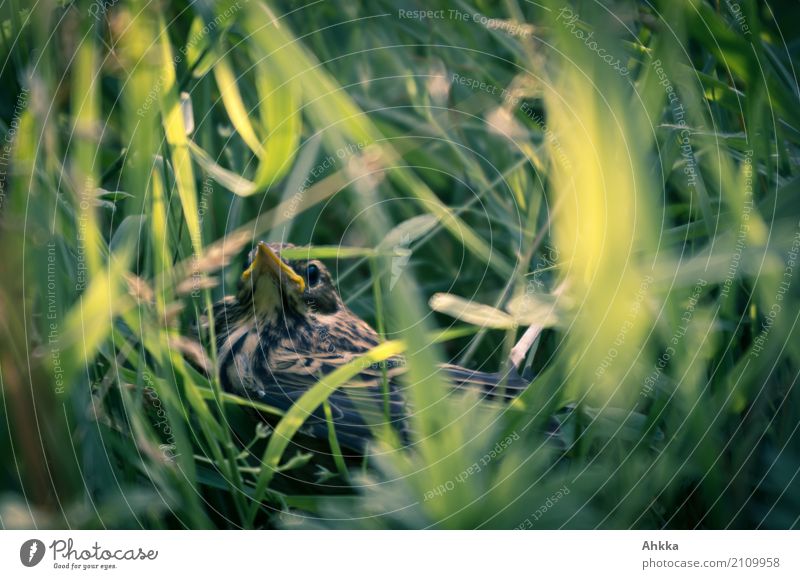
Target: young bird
{"type": "Point", "coordinates": [287, 326]}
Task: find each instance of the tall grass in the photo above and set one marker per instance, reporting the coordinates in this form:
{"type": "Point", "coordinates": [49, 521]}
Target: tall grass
{"type": "Point", "coordinates": [620, 177]}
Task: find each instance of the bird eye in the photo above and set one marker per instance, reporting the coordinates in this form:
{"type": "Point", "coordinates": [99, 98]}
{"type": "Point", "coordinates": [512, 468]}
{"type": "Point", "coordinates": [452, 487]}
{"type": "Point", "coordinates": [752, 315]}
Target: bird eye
{"type": "Point", "coordinates": [313, 275]}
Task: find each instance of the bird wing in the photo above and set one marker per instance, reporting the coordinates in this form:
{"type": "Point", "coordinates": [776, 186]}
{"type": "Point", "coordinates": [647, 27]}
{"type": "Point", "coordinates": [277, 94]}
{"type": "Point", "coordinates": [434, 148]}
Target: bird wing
{"type": "Point", "coordinates": [504, 385]}
{"type": "Point", "coordinates": [367, 402]}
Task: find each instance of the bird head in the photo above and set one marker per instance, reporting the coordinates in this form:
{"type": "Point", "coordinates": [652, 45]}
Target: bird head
{"type": "Point", "coordinates": [274, 285]}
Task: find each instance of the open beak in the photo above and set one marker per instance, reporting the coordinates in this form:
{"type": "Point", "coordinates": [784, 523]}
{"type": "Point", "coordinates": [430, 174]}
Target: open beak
{"type": "Point", "coordinates": [267, 260]}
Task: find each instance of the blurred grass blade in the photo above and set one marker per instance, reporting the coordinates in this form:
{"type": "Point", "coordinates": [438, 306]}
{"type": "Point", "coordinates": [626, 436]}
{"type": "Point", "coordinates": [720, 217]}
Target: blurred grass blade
{"type": "Point", "coordinates": [89, 322]}
{"type": "Point", "coordinates": [538, 309]}
{"type": "Point", "coordinates": [234, 104]}
{"type": "Point", "coordinates": [228, 179]}
{"type": "Point", "coordinates": [409, 231]}
{"type": "Point", "coordinates": [471, 312]}
{"type": "Point", "coordinates": [280, 114]}
{"type": "Point", "coordinates": [175, 130]}
{"type": "Point", "coordinates": [86, 100]}
{"type": "Point", "coordinates": [333, 109]}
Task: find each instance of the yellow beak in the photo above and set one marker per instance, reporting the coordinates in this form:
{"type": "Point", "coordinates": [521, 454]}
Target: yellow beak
{"type": "Point", "coordinates": [268, 260]}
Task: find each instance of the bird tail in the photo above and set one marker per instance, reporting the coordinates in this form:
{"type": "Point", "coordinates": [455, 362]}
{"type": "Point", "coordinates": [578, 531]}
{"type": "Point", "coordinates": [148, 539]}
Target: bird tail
{"type": "Point", "coordinates": [503, 385]}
